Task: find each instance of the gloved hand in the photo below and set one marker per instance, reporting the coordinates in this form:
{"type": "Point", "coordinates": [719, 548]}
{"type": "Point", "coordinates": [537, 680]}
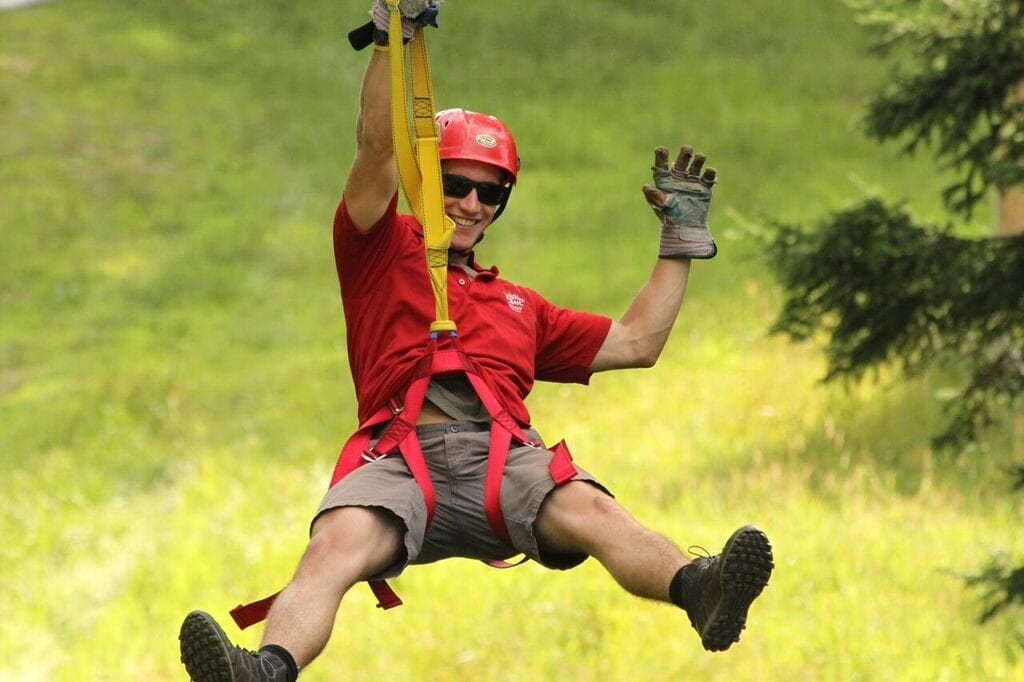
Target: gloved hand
{"type": "Point", "coordinates": [681, 198]}
{"type": "Point", "coordinates": [414, 13]}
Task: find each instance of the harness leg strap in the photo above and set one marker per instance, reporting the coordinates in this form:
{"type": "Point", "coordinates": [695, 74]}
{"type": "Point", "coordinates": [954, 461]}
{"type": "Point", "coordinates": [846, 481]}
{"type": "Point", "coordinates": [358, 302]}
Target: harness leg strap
{"type": "Point", "coordinates": [497, 455]}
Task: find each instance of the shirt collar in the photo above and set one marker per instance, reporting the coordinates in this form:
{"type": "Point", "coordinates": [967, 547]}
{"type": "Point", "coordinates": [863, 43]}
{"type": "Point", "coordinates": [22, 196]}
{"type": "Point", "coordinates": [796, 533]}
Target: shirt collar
{"type": "Point", "coordinates": [484, 274]}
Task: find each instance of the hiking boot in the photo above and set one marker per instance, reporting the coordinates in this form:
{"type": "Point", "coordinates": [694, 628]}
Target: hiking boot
{"type": "Point", "coordinates": [725, 586]}
{"type": "Point", "coordinates": [209, 656]}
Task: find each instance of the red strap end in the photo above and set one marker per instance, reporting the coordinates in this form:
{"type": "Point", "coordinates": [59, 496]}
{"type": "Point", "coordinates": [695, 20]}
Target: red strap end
{"type": "Point", "coordinates": [561, 467]}
{"type": "Point", "coordinates": [245, 615]}
{"type": "Point", "coordinates": [386, 597]}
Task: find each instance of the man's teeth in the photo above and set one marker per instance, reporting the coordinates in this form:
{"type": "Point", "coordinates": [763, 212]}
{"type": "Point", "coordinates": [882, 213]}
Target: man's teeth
{"type": "Point", "coordinates": [465, 222]}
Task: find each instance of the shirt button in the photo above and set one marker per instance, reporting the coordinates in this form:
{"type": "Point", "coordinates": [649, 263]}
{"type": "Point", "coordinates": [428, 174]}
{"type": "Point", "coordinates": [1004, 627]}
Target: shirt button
{"type": "Point", "coordinates": [462, 282]}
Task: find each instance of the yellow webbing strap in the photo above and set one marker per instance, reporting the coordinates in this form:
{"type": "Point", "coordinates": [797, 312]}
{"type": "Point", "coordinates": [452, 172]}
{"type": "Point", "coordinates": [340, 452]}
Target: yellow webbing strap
{"type": "Point", "coordinates": [419, 167]}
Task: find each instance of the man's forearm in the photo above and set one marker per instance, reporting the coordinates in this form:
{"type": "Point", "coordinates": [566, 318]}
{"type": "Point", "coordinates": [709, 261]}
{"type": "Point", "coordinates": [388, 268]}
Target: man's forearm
{"type": "Point", "coordinates": [652, 314]}
{"type": "Point", "coordinates": [373, 127]}
{"type": "Point", "coordinates": [373, 178]}
{"type": "Point", "coordinates": [639, 337]}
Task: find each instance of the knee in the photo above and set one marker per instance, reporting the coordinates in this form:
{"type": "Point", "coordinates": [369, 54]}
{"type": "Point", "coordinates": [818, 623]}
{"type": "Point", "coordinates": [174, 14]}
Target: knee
{"type": "Point", "coordinates": [353, 542]}
{"type": "Point", "coordinates": [576, 516]}
{"type": "Point", "coordinates": [581, 502]}
{"type": "Point", "coordinates": [604, 506]}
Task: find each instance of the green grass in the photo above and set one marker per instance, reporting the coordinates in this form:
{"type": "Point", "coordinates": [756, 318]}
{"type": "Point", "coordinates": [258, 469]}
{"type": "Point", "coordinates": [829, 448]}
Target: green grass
{"type": "Point", "coordinates": [174, 386]}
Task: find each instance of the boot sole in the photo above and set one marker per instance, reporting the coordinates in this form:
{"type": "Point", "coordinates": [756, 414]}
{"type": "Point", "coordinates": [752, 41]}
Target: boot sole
{"type": "Point", "coordinates": [203, 650]}
{"type": "Point", "coordinates": [747, 565]}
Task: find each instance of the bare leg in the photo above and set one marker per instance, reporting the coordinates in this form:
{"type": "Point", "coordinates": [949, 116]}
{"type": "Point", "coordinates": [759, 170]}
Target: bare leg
{"type": "Point", "coordinates": [347, 545]}
{"type": "Point", "coordinates": [716, 592]}
{"type": "Point", "coordinates": [577, 517]}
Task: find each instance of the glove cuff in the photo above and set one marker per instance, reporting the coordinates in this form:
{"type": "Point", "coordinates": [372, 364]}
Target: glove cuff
{"type": "Point", "coordinates": [414, 13]}
{"type": "Point", "coordinates": [381, 20]}
{"type": "Point", "coordinates": [686, 242]}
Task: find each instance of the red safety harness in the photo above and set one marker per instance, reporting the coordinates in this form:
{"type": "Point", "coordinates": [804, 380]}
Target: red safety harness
{"type": "Point", "coordinates": [399, 436]}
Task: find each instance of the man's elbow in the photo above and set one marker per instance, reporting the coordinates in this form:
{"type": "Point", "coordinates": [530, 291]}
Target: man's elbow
{"type": "Point", "coordinates": [647, 361]}
{"type": "Point", "coordinates": [645, 356]}
{"type": "Point", "coordinates": [625, 348]}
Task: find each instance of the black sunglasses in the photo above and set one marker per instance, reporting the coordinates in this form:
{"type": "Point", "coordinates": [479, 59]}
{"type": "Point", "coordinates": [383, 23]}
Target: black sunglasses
{"type": "Point", "coordinates": [458, 186]}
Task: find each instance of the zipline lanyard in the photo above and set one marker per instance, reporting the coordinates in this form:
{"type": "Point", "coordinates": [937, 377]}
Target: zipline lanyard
{"type": "Point", "coordinates": [419, 165]}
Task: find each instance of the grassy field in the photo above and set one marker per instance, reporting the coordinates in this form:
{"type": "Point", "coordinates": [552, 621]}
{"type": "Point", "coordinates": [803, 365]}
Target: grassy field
{"type": "Point", "coordinates": [174, 386]}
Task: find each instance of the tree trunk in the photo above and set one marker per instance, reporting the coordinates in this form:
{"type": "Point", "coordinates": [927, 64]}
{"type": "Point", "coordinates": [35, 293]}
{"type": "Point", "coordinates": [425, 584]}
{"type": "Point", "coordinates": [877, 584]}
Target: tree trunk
{"type": "Point", "coordinates": [1011, 211]}
{"type": "Point", "coordinates": [1011, 200]}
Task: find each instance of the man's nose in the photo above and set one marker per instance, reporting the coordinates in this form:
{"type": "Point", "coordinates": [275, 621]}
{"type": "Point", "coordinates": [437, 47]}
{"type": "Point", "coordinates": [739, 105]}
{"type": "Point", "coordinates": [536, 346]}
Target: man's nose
{"type": "Point", "coordinates": [471, 201]}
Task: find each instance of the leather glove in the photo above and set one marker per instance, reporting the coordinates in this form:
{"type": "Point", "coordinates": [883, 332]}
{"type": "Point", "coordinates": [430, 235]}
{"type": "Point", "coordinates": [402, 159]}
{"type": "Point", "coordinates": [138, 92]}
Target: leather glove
{"type": "Point", "coordinates": [681, 197]}
{"type": "Point", "coordinates": [414, 13]}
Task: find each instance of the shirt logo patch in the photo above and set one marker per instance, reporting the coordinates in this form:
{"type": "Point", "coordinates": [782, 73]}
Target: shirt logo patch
{"type": "Point", "coordinates": [515, 302]}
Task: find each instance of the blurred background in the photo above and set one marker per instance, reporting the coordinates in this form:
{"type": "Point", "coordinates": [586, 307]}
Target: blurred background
{"type": "Point", "coordinates": [174, 384]}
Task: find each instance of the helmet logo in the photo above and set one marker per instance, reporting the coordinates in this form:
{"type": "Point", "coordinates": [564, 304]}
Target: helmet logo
{"type": "Point", "coordinates": [485, 140]}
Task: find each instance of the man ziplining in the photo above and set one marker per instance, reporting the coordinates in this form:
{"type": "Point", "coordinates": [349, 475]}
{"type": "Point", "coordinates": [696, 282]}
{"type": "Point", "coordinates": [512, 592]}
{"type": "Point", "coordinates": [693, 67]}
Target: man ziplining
{"type": "Point", "coordinates": [445, 463]}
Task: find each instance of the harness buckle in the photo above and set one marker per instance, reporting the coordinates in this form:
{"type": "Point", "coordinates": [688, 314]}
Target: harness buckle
{"type": "Point", "coordinates": [371, 455]}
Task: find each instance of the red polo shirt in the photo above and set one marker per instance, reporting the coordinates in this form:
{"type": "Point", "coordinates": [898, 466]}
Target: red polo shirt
{"type": "Point", "coordinates": [514, 334]}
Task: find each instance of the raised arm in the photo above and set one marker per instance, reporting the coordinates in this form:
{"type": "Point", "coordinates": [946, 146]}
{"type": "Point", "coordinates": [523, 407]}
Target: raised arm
{"type": "Point", "coordinates": [373, 178]}
{"type": "Point", "coordinates": [680, 197]}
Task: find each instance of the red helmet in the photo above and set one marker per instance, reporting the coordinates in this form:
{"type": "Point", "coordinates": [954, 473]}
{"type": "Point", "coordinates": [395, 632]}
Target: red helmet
{"type": "Point", "coordinates": [469, 136]}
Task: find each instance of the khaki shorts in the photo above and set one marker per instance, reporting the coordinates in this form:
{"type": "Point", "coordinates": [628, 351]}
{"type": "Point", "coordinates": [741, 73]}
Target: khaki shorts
{"type": "Point", "coordinates": [456, 456]}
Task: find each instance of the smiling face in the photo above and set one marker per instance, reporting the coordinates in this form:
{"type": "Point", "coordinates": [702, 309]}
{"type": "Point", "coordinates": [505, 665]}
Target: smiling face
{"type": "Point", "coordinates": [471, 217]}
